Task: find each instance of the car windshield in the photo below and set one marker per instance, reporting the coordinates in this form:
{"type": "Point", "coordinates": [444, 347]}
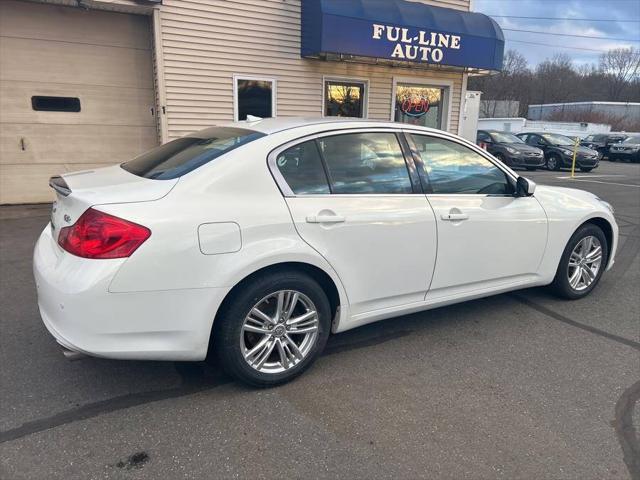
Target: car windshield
{"type": "Point", "coordinates": [500, 137]}
{"type": "Point", "coordinates": [181, 156]}
{"type": "Point", "coordinates": [555, 139]}
{"type": "Point", "coordinates": [633, 139]}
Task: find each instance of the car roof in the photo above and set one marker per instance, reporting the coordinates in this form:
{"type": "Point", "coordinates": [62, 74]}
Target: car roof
{"type": "Point", "coordinates": [279, 124]}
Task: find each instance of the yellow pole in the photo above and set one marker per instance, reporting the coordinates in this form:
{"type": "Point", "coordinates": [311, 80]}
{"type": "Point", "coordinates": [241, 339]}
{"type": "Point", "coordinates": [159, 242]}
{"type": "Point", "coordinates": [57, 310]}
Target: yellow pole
{"type": "Point", "coordinates": [575, 154]}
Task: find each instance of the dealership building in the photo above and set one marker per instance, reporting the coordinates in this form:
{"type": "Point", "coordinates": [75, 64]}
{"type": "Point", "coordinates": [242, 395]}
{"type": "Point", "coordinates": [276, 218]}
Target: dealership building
{"type": "Point", "coordinates": [88, 83]}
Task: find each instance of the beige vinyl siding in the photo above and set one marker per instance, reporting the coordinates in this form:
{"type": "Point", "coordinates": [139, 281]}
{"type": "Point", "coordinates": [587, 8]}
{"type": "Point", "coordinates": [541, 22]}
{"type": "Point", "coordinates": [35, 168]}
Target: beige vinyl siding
{"type": "Point", "coordinates": [101, 58]}
{"type": "Point", "coordinates": [206, 42]}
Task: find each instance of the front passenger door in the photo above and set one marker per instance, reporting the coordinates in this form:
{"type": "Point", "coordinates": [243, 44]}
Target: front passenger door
{"type": "Point", "coordinates": [487, 237]}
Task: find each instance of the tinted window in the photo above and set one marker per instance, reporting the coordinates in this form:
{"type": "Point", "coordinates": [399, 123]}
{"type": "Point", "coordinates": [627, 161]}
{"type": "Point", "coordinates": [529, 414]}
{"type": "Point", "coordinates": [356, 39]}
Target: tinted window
{"type": "Point", "coordinates": [302, 169]}
{"type": "Point", "coordinates": [185, 154]}
{"type": "Point", "coordinates": [255, 97]}
{"type": "Point", "coordinates": [483, 137]}
{"type": "Point", "coordinates": [365, 163]}
{"type": "Point", "coordinates": [535, 140]}
{"type": "Point", "coordinates": [454, 168]}
{"type": "Point", "coordinates": [344, 99]}
{"type": "Point", "coordinates": [55, 104]}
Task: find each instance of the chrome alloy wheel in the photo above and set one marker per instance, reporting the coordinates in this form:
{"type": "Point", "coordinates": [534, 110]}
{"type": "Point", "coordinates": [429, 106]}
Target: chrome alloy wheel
{"type": "Point", "coordinates": [584, 263]}
{"type": "Point", "coordinates": [279, 331]}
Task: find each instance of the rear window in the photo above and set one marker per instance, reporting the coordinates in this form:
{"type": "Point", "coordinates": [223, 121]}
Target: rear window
{"type": "Point", "coordinates": [181, 156]}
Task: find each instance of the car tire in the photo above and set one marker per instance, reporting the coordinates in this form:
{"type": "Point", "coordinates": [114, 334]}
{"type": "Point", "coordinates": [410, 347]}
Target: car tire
{"type": "Point", "coordinates": [554, 162]}
{"type": "Point", "coordinates": [562, 283]}
{"type": "Point", "coordinates": [231, 341]}
{"type": "Point", "coordinates": [586, 170]}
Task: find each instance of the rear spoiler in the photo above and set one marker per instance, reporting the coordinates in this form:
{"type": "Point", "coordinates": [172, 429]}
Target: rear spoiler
{"type": "Point", "coordinates": [59, 185]}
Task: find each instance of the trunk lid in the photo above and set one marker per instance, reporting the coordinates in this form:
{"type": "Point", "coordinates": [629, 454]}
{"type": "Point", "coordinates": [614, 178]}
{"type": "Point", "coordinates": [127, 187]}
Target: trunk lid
{"type": "Point", "coordinates": [77, 191]}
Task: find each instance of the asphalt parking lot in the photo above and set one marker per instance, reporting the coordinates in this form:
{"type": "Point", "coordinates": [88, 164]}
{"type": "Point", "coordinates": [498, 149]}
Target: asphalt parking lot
{"type": "Point", "coordinates": [521, 385]}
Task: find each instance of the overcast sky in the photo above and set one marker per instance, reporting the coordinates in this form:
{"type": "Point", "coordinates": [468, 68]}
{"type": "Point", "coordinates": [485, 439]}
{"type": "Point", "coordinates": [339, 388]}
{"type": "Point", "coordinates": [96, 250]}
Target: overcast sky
{"type": "Point", "coordinates": [592, 9]}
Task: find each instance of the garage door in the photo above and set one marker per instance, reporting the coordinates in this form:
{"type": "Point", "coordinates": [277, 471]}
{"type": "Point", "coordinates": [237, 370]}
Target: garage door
{"type": "Point", "coordinates": [76, 92]}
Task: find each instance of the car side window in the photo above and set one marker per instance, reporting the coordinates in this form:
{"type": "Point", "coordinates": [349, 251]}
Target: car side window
{"type": "Point", "coordinates": [533, 140]}
{"type": "Point", "coordinates": [301, 167]}
{"type": "Point", "coordinates": [365, 163]}
{"type": "Point", "coordinates": [452, 168]}
{"type": "Point", "coordinates": [483, 137]}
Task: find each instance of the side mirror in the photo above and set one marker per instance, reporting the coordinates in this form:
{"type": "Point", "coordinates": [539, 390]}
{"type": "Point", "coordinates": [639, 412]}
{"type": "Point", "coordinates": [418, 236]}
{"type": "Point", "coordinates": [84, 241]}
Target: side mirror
{"type": "Point", "coordinates": [525, 187]}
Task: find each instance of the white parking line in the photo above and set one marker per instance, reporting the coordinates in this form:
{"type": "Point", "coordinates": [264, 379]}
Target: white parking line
{"type": "Point", "coordinates": [592, 176]}
{"type": "Point", "coordinates": [606, 183]}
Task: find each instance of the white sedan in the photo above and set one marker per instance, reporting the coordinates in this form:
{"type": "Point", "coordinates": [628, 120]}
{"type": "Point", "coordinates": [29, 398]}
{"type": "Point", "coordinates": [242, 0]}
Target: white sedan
{"type": "Point", "coordinates": [256, 240]}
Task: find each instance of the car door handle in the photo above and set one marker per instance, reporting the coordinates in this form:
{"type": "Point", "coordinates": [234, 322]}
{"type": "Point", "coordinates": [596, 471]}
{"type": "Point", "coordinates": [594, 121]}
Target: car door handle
{"type": "Point", "coordinates": [454, 217]}
{"type": "Point", "coordinates": [325, 219]}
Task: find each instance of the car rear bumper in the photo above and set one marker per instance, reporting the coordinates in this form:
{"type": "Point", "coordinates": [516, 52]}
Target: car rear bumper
{"type": "Point", "coordinates": [83, 316]}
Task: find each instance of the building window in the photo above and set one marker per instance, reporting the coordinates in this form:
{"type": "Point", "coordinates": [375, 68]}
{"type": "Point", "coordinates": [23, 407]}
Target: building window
{"type": "Point", "coordinates": [344, 98]}
{"type": "Point", "coordinates": [254, 96]}
{"type": "Point", "coordinates": [55, 104]}
{"type": "Point", "coordinates": [424, 105]}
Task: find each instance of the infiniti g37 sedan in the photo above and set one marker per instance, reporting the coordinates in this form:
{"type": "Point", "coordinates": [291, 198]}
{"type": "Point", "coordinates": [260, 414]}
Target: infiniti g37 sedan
{"type": "Point", "coordinates": [252, 242]}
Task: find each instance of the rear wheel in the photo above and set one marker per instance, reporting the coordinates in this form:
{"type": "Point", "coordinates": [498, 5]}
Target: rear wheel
{"type": "Point", "coordinates": [273, 329]}
{"type": "Point", "coordinates": [554, 162]}
{"type": "Point", "coordinates": [582, 263]}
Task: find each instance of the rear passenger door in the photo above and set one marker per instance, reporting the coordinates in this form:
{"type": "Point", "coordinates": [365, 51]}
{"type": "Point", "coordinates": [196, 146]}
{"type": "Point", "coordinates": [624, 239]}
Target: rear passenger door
{"type": "Point", "coordinates": [354, 198]}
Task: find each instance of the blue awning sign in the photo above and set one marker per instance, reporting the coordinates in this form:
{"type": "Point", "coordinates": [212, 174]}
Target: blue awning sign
{"type": "Point", "coordinates": [399, 30]}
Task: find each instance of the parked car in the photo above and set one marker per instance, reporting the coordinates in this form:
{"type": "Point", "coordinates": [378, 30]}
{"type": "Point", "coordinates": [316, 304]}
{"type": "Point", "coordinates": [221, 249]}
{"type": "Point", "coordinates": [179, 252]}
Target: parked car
{"type": "Point", "coordinates": [558, 151]}
{"type": "Point", "coordinates": [628, 151]}
{"type": "Point", "coordinates": [601, 142]}
{"type": "Point", "coordinates": [510, 149]}
{"type": "Point", "coordinates": [255, 240]}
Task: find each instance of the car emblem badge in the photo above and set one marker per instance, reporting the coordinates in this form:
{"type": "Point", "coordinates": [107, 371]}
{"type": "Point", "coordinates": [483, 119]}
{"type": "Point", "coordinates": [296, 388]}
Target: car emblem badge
{"type": "Point", "coordinates": [67, 218]}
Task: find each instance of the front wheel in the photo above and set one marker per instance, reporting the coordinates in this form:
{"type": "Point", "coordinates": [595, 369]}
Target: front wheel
{"type": "Point", "coordinates": [582, 263]}
{"type": "Point", "coordinates": [500, 157]}
{"type": "Point", "coordinates": [273, 329]}
{"type": "Point", "coordinates": [553, 162]}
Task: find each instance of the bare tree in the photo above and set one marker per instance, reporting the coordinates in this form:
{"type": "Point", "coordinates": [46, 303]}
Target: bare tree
{"type": "Point", "coordinates": [558, 80]}
{"type": "Point", "coordinates": [620, 66]}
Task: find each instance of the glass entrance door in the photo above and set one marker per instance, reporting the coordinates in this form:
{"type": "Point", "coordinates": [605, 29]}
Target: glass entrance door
{"type": "Point", "coordinates": [420, 105]}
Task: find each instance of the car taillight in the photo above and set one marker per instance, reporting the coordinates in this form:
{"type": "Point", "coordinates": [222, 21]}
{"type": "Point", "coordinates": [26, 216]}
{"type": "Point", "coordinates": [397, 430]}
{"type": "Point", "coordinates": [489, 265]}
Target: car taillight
{"type": "Point", "coordinates": [99, 235]}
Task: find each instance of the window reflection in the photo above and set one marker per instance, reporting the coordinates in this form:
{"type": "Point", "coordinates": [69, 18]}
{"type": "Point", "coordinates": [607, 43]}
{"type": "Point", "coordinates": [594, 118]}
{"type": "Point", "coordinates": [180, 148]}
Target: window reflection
{"type": "Point", "coordinates": [344, 99]}
{"type": "Point", "coordinates": [454, 168]}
